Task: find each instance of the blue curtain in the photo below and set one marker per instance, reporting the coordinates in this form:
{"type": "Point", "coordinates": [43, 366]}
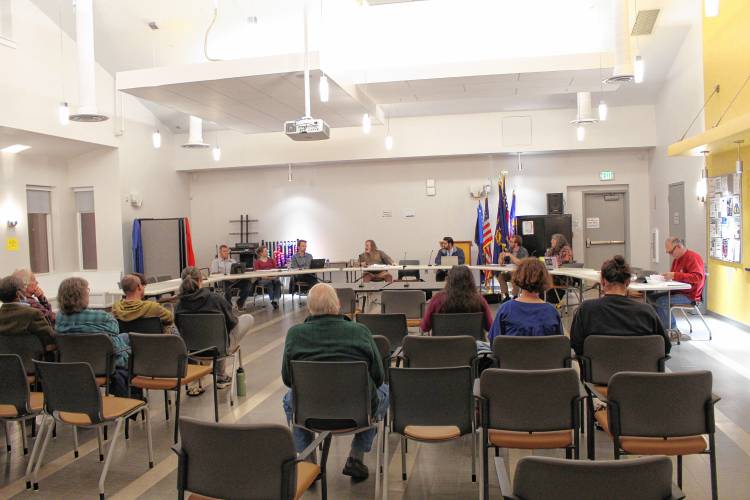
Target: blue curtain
{"type": "Point", "coordinates": [137, 247]}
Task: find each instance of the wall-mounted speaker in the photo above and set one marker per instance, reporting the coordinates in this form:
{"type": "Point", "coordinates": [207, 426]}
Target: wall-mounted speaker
{"type": "Point", "coordinates": [554, 203]}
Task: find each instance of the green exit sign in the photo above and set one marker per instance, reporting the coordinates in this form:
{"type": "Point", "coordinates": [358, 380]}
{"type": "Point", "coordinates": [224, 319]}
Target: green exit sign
{"type": "Point", "coordinates": [606, 175]}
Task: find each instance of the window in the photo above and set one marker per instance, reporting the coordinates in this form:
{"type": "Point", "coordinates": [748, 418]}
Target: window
{"type": "Point", "coordinates": [38, 205]}
{"type": "Point", "coordinates": [6, 24]}
{"type": "Point", "coordinates": [86, 228]}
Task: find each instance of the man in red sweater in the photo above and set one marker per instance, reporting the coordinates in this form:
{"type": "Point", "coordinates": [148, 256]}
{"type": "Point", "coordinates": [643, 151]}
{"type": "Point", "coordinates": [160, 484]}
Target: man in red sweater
{"type": "Point", "coordinates": [687, 267]}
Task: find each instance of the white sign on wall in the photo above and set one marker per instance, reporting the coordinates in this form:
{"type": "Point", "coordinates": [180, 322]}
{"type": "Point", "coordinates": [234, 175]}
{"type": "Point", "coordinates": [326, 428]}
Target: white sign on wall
{"type": "Point", "coordinates": [592, 222]}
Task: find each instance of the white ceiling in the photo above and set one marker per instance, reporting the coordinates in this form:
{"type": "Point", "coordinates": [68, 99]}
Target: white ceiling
{"type": "Point", "coordinates": [262, 103]}
{"type": "Point", "coordinates": [45, 145]}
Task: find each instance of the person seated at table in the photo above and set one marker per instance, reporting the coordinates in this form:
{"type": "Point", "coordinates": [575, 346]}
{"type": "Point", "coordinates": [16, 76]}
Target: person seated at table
{"type": "Point", "coordinates": [447, 249]}
{"type": "Point", "coordinates": [517, 253]}
{"type": "Point", "coordinates": [273, 285]}
{"type": "Point", "coordinates": [76, 317]}
{"type": "Point", "coordinates": [222, 264]}
{"type": "Point", "coordinates": [301, 260]}
{"type": "Point", "coordinates": [460, 295]}
{"type": "Point", "coordinates": [687, 267]}
{"type": "Point", "coordinates": [326, 335]}
{"type": "Point", "coordinates": [194, 299]}
{"type": "Point", "coordinates": [615, 313]}
{"type": "Point", "coordinates": [19, 318]}
{"type": "Point", "coordinates": [562, 253]}
{"type": "Point", "coordinates": [373, 256]}
{"type": "Point", "coordinates": [133, 306]}
{"type": "Point", "coordinates": [528, 315]}
{"type": "Point", "coordinates": [33, 295]}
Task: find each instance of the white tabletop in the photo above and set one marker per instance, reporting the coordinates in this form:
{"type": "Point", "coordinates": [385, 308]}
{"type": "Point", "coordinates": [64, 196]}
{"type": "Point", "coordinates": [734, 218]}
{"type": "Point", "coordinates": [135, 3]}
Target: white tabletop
{"type": "Point", "coordinates": [663, 286]}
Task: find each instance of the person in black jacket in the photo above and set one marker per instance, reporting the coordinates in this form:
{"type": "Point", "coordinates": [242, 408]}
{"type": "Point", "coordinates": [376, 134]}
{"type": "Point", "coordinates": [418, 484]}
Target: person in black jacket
{"type": "Point", "coordinates": [197, 300]}
{"type": "Point", "coordinates": [615, 313]}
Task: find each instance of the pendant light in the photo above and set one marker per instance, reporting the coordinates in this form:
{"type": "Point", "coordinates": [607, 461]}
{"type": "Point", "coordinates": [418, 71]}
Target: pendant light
{"type": "Point", "coordinates": [366, 123]}
{"type": "Point", "coordinates": [216, 151]}
{"type": "Point", "coordinates": [520, 163]}
{"type": "Point", "coordinates": [156, 139]}
{"type": "Point", "coordinates": [639, 69]}
{"type": "Point", "coordinates": [583, 114]}
{"type": "Point", "coordinates": [289, 176]}
{"type": "Point", "coordinates": [603, 110]}
{"type": "Point", "coordinates": [739, 164]}
{"type": "Point", "coordinates": [323, 89]}
{"type": "Point", "coordinates": [388, 136]}
{"type": "Point", "coordinates": [580, 133]}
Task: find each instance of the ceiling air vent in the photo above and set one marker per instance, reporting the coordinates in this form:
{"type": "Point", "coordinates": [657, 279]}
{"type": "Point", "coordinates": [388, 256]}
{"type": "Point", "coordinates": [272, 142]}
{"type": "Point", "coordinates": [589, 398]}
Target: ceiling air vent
{"type": "Point", "coordinates": [644, 22]}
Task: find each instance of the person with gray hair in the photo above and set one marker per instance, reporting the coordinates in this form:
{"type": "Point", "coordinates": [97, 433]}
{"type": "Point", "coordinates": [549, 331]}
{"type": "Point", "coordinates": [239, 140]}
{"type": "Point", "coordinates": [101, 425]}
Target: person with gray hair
{"type": "Point", "coordinates": [326, 335]}
{"type": "Point", "coordinates": [18, 318]}
{"type": "Point", "coordinates": [34, 295]}
{"type": "Point", "coordinates": [687, 267]}
{"type": "Point", "coordinates": [194, 299]}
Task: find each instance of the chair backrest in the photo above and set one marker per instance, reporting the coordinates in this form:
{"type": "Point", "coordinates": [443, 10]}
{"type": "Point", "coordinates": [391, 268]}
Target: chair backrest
{"type": "Point", "coordinates": [451, 324]}
{"type": "Point", "coordinates": [163, 277]}
{"type": "Point", "coordinates": [70, 387]}
{"type": "Point", "coordinates": [605, 355]}
{"type": "Point", "coordinates": [27, 347]}
{"type": "Point", "coordinates": [96, 349]}
{"type": "Point", "coordinates": [412, 273]}
{"type": "Point", "coordinates": [150, 280]}
{"type": "Point", "coordinates": [201, 331]}
{"type": "Point", "coordinates": [141, 325]}
{"type": "Point", "coordinates": [14, 387]}
{"type": "Point", "coordinates": [439, 352]}
{"type": "Point", "coordinates": [408, 302]}
{"type": "Point", "coordinates": [648, 478]}
{"type": "Point", "coordinates": [384, 348]}
{"type": "Point", "coordinates": [162, 356]}
{"type": "Point", "coordinates": [661, 404]}
{"type": "Point", "coordinates": [391, 326]}
{"type": "Point", "coordinates": [532, 353]}
{"type": "Point", "coordinates": [251, 461]}
{"type": "Point", "coordinates": [331, 395]}
{"type": "Point", "coordinates": [530, 400]}
{"type": "Point", "coordinates": [347, 299]}
{"type": "Point", "coordinates": [573, 265]}
{"type": "Point", "coordinates": [431, 396]}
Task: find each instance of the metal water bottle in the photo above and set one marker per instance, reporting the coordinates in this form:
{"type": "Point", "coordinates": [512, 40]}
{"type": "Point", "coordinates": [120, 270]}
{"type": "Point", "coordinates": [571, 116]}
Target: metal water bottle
{"type": "Point", "coordinates": [241, 387]}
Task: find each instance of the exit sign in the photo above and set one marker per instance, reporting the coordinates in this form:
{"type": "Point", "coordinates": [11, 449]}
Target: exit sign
{"type": "Point", "coordinates": [606, 175]}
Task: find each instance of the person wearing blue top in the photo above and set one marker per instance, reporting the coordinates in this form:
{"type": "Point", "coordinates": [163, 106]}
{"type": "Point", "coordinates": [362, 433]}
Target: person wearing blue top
{"type": "Point", "coordinates": [528, 315]}
{"type": "Point", "coordinates": [447, 249]}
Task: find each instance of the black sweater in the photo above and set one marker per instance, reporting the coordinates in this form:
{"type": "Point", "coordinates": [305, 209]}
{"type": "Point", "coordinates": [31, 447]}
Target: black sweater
{"type": "Point", "coordinates": [204, 301]}
{"type": "Point", "coordinates": [615, 315]}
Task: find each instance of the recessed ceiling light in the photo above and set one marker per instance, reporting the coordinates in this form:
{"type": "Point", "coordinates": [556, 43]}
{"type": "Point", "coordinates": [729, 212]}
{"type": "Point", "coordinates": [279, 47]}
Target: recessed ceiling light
{"type": "Point", "coordinates": [15, 148]}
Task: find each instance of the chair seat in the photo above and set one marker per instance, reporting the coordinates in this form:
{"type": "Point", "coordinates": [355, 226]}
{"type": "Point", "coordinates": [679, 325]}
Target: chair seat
{"type": "Point", "coordinates": [36, 402]}
{"type": "Point", "coordinates": [112, 408]}
{"type": "Point", "coordinates": [194, 372]}
{"type": "Point", "coordinates": [100, 381]}
{"type": "Point", "coordinates": [602, 389]}
{"type": "Point", "coordinates": [413, 323]}
{"type": "Point", "coordinates": [684, 445]}
{"type": "Point", "coordinates": [432, 432]}
{"type": "Point", "coordinates": [531, 440]}
{"type": "Point", "coordinates": [307, 472]}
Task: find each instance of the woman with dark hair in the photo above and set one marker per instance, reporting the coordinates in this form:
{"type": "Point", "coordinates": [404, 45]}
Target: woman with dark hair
{"type": "Point", "coordinates": [560, 249]}
{"type": "Point", "coordinates": [194, 299]}
{"type": "Point", "coordinates": [459, 296]}
{"type": "Point", "coordinates": [615, 313]}
{"type": "Point", "coordinates": [527, 315]}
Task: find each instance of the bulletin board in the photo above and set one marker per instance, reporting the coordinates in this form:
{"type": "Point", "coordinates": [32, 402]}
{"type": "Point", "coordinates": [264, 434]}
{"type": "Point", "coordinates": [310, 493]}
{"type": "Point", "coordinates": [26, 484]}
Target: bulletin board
{"type": "Point", "coordinates": [725, 217]}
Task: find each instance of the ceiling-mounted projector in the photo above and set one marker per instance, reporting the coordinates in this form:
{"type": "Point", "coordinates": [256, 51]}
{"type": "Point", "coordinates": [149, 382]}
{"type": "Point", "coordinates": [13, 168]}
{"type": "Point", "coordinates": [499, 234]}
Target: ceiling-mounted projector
{"type": "Point", "coordinates": [307, 129]}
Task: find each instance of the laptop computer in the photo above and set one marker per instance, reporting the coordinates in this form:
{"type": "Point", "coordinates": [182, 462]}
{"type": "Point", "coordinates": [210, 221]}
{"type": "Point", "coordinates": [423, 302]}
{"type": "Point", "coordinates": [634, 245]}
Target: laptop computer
{"type": "Point", "coordinates": [449, 260]}
{"type": "Point", "coordinates": [317, 264]}
{"type": "Point", "coordinates": [238, 268]}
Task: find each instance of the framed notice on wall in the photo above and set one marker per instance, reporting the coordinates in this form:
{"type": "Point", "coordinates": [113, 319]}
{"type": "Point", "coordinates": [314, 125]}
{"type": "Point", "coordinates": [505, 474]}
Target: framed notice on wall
{"type": "Point", "coordinates": [725, 218]}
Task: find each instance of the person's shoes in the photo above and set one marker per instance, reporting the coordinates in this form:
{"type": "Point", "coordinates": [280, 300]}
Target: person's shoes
{"type": "Point", "coordinates": [223, 381]}
{"type": "Point", "coordinates": [275, 304]}
{"type": "Point", "coordinates": [240, 305]}
{"type": "Point", "coordinates": [356, 469]}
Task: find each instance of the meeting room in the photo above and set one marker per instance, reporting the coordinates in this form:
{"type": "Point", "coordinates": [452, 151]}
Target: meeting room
{"type": "Point", "coordinates": [352, 249]}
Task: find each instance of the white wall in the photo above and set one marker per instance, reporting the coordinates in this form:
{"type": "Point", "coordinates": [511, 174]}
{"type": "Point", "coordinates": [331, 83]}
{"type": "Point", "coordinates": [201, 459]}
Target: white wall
{"type": "Point", "coordinates": [679, 100]}
{"type": "Point", "coordinates": [337, 206]}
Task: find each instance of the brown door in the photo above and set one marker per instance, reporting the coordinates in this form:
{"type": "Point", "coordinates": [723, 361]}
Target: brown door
{"type": "Point", "coordinates": [88, 240]}
{"type": "Point", "coordinates": [38, 243]}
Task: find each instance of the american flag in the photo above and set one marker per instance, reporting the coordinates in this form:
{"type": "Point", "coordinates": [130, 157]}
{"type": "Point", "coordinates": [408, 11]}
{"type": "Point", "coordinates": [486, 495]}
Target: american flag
{"type": "Point", "coordinates": [487, 240]}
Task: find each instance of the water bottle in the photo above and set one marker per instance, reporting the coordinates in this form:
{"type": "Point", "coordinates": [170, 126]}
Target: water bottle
{"type": "Point", "coordinates": [241, 388]}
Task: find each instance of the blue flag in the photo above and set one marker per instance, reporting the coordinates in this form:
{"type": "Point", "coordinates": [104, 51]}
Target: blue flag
{"type": "Point", "coordinates": [512, 226]}
{"type": "Point", "coordinates": [501, 226]}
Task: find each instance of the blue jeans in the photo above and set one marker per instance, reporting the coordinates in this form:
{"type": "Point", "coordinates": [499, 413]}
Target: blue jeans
{"type": "Point", "coordinates": [362, 441]}
{"type": "Point", "coordinates": [273, 286]}
{"type": "Point", "coordinates": [661, 302]}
